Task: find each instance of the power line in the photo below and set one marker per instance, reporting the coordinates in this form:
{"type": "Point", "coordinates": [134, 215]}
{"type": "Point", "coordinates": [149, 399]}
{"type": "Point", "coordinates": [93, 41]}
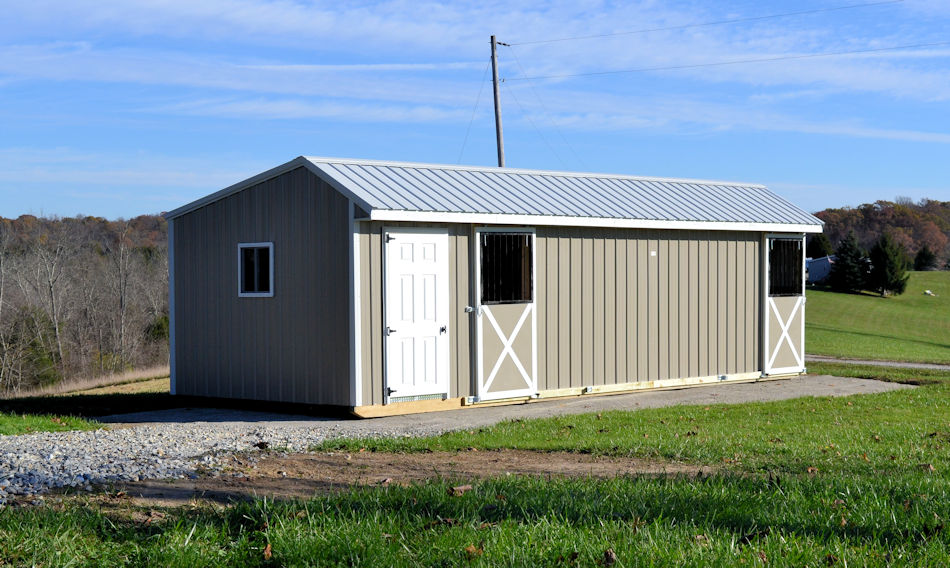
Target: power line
{"type": "Point", "coordinates": [535, 126]}
{"type": "Point", "coordinates": [481, 87]}
{"type": "Point", "coordinates": [735, 61]}
{"type": "Point", "coordinates": [546, 111]}
{"type": "Point", "coordinates": [714, 23]}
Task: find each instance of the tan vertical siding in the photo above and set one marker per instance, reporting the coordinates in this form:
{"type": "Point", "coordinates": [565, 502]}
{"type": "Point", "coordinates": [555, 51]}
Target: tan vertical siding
{"type": "Point", "coordinates": [610, 308]}
{"type": "Point", "coordinates": [621, 319]}
{"type": "Point", "coordinates": [608, 311]}
{"type": "Point", "coordinates": [623, 315]}
{"type": "Point", "coordinates": [371, 309]}
{"type": "Point", "coordinates": [291, 347]}
{"type": "Point", "coordinates": [562, 376]}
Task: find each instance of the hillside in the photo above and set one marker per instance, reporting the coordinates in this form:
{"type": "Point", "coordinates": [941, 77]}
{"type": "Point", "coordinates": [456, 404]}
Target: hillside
{"type": "Point", "coordinates": [910, 327]}
{"type": "Point", "coordinates": [912, 225]}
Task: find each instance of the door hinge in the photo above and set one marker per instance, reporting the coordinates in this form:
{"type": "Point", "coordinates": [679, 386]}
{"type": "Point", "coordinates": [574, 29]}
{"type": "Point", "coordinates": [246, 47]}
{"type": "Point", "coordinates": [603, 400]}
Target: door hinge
{"type": "Point", "coordinates": [388, 331]}
{"type": "Point", "coordinates": [389, 237]}
{"type": "Point", "coordinates": [390, 391]}
{"type": "Point", "coordinates": [442, 329]}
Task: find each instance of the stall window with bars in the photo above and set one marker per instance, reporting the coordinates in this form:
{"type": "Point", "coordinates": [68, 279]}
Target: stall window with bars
{"type": "Point", "coordinates": [507, 268]}
{"type": "Point", "coordinates": [785, 267]}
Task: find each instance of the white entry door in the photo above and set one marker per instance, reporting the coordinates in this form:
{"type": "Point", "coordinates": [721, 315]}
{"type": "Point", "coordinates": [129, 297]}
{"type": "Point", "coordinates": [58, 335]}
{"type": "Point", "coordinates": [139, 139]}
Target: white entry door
{"type": "Point", "coordinates": [784, 322]}
{"type": "Point", "coordinates": [506, 313]}
{"type": "Point", "coordinates": [416, 308]}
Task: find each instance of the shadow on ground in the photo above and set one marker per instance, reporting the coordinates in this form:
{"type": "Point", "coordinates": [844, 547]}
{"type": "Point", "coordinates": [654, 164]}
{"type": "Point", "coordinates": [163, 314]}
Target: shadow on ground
{"type": "Point", "coordinates": [100, 405]}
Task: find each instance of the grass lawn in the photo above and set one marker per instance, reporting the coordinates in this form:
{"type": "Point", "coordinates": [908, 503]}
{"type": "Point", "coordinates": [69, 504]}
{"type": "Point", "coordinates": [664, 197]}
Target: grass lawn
{"type": "Point", "coordinates": [862, 480]}
{"type": "Point", "coordinates": [12, 423]}
{"type": "Point", "coordinates": [76, 410]}
{"type": "Point", "coordinates": [153, 386]}
{"type": "Point", "coordinates": [909, 327]}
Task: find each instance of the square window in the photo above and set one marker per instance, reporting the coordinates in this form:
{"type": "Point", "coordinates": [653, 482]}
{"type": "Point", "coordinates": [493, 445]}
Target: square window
{"type": "Point", "coordinates": [785, 267]}
{"type": "Point", "coordinates": [507, 267]}
{"type": "Point", "coordinates": [255, 269]}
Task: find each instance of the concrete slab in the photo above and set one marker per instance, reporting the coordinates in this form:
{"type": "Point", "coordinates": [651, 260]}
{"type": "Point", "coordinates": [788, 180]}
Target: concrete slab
{"type": "Point", "coordinates": [424, 424]}
{"type": "Point", "coordinates": [876, 363]}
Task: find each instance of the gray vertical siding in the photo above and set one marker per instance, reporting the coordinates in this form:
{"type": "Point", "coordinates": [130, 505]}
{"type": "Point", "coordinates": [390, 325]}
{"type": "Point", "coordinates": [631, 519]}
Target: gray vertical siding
{"type": "Point", "coordinates": [291, 347]}
{"type": "Point", "coordinates": [371, 310]}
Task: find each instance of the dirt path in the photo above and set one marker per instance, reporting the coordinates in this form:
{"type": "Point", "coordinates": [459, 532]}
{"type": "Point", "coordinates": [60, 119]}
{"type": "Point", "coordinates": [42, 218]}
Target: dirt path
{"type": "Point", "coordinates": [898, 364]}
{"type": "Point", "coordinates": [302, 476]}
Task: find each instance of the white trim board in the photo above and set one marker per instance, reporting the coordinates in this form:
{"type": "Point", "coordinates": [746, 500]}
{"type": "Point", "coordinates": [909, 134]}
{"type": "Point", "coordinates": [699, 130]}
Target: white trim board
{"type": "Point", "coordinates": [565, 221]}
{"type": "Point", "coordinates": [356, 347]}
{"type": "Point", "coordinates": [173, 375]}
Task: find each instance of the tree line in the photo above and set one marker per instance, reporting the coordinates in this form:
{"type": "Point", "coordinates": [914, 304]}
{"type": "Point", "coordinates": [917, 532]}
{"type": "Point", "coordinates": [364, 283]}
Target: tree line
{"type": "Point", "coordinates": [912, 226]}
{"type": "Point", "coordinates": [875, 244]}
{"type": "Point", "coordinates": [81, 297]}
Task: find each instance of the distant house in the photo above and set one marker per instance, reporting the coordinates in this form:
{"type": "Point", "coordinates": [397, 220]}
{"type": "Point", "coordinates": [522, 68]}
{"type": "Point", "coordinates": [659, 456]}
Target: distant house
{"type": "Point", "coordinates": [817, 270]}
{"type": "Point", "coordinates": [391, 287]}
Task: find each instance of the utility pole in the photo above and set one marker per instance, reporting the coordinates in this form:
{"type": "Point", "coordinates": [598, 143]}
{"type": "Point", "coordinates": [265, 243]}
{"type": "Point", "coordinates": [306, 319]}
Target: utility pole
{"type": "Point", "coordinates": [494, 71]}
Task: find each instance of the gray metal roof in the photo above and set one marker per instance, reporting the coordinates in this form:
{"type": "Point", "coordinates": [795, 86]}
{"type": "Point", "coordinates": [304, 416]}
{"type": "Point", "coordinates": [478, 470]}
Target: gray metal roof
{"type": "Point", "coordinates": [395, 186]}
{"type": "Point", "coordinates": [430, 192]}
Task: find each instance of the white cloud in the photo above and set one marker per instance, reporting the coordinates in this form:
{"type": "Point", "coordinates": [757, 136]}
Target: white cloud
{"type": "Point", "coordinates": [290, 109]}
{"type": "Point", "coordinates": [403, 61]}
{"type": "Point", "coordinates": [72, 167]}
{"type": "Point", "coordinates": [58, 62]}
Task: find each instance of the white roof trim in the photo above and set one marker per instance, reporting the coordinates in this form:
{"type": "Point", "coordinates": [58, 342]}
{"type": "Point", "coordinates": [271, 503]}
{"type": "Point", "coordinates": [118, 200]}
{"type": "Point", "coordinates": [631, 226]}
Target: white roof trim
{"type": "Point", "coordinates": [299, 162]}
{"type": "Point", "coordinates": [565, 221]}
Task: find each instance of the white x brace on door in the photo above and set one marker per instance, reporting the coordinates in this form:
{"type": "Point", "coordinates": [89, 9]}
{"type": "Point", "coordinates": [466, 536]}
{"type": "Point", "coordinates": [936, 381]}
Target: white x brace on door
{"type": "Point", "coordinates": [416, 313]}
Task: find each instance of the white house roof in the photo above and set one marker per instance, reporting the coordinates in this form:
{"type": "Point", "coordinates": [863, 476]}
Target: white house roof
{"type": "Point", "coordinates": [394, 191]}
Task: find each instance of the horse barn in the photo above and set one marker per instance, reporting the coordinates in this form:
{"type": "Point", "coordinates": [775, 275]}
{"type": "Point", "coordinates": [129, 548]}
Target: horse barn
{"type": "Point", "coordinates": [390, 288]}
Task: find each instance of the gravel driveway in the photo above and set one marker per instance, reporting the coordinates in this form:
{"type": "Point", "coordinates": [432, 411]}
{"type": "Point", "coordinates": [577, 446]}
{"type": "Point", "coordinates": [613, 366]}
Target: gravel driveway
{"type": "Point", "coordinates": [177, 443]}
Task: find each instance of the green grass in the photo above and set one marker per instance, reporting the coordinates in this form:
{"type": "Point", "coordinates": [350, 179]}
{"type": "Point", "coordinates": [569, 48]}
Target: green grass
{"type": "Point", "coordinates": [813, 481]}
{"type": "Point", "coordinates": [714, 521]}
{"type": "Point", "coordinates": [882, 434]}
{"type": "Point", "coordinates": [13, 424]}
{"type": "Point", "coordinates": [909, 327]}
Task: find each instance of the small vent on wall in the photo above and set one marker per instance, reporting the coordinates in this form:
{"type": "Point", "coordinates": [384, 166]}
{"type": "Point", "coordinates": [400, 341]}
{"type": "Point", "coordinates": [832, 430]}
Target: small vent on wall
{"type": "Point", "coordinates": [417, 397]}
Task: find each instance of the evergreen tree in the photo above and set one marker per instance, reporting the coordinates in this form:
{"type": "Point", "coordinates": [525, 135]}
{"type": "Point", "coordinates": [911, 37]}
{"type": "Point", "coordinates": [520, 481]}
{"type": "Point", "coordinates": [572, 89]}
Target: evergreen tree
{"type": "Point", "coordinates": [888, 267]}
{"type": "Point", "coordinates": [819, 246]}
{"type": "Point", "coordinates": [849, 272]}
{"type": "Point", "coordinates": [925, 259]}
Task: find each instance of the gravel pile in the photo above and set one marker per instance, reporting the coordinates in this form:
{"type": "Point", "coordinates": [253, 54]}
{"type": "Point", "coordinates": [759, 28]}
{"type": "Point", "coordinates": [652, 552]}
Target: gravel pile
{"type": "Point", "coordinates": [31, 464]}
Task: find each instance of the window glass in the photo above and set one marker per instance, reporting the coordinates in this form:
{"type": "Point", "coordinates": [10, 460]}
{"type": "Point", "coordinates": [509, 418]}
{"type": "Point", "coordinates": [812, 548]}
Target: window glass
{"type": "Point", "coordinates": [255, 269]}
{"type": "Point", "coordinates": [785, 267]}
{"type": "Point", "coordinates": [506, 268]}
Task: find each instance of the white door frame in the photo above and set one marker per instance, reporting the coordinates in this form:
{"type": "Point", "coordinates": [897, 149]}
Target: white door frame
{"type": "Point", "coordinates": [443, 340]}
{"type": "Point", "coordinates": [769, 308]}
{"type": "Point", "coordinates": [483, 311]}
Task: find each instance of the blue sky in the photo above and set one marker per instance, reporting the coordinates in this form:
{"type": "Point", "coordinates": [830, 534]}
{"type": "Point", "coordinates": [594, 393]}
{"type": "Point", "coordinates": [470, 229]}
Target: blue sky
{"type": "Point", "coordinates": [116, 108]}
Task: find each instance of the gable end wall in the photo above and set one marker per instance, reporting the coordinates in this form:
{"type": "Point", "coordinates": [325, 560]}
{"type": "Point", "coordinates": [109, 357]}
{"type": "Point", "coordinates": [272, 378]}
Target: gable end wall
{"type": "Point", "coordinates": [291, 347]}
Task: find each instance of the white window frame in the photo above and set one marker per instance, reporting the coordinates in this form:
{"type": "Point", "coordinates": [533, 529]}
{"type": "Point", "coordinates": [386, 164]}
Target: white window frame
{"type": "Point", "coordinates": [241, 247]}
